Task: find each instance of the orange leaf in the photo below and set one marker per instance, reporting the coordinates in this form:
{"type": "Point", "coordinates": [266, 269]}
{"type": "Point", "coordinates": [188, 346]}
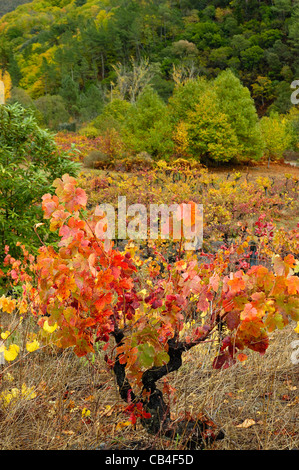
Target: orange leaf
{"type": "Point", "coordinates": [242, 357]}
{"type": "Point", "coordinates": [249, 313]}
{"type": "Point", "coordinates": [236, 285]}
{"type": "Point", "coordinates": [293, 285]}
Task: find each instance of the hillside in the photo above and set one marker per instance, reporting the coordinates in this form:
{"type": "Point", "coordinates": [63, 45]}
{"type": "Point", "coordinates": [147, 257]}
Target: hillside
{"type": "Point", "coordinates": [9, 5]}
{"type": "Point", "coordinates": [70, 48]}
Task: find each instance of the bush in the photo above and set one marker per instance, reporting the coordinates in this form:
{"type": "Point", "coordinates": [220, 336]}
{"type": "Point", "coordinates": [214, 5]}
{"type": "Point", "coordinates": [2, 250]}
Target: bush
{"type": "Point", "coordinates": [29, 162]}
{"type": "Point", "coordinates": [97, 160]}
{"type": "Point", "coordinates": [189, 164]}
{"type": "Point", "coordinates": [142, 161]}
{"type": "Point", "coordinates": [90, 132]}
{"type": "Point", "coordinates": [67, 126]}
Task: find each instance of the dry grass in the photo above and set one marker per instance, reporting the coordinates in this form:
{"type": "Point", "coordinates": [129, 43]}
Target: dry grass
{"type": "Point", "coordinates": [263, 389]}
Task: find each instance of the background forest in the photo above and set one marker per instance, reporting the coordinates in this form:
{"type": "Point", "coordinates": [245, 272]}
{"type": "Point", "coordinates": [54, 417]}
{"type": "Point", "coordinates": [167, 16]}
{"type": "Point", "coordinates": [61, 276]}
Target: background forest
{"type": "Point", "coordinates": [70, 60]}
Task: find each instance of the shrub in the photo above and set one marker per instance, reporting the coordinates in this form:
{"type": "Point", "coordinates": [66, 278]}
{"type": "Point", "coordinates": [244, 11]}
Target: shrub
{"type": "Point", "coordinates": [186, 164]}
{"type": "Point", "coordinates": [89, 131]}
{"type": "Point", "coordinates": [97, 160]}
{"type": "Point", "coordinates": [29, 162]}
{"type": "Point", "coordinates": [142, 161]}
{"type": "Point", "coordinates": [67, 126]}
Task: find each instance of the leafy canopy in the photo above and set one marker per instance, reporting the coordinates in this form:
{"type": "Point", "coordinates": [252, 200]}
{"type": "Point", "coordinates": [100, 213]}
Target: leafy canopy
{"type": "Point", "coordinates": [29, 162]}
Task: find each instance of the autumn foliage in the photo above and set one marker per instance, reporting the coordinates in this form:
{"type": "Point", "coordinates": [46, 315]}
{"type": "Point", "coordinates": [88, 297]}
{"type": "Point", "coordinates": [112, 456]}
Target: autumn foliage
{"type": "Point", "coordinates": [89, 292]}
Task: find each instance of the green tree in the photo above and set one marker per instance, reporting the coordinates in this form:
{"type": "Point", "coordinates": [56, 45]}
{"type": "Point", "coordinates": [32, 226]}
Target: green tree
{"type": "Point", "coordinates": [263, 90]}
{"type": "Point", "coordinates": [52, 109]}
{"type": "Point", "coordinates": [251, 57]}
{"type": "Point", "coordinates": [113, 115]}
{"type": "Point", "coordinates": [211, 137]}
{"type": "Point", "coordinates": [236, 103]}
{"type": "Point", "coordinates": [29, 162]}
{"type": "Point", "coordinates": [70, 93]}
{"type": "Point", "coordinates": [185, 97]}
{"type": "Point", "coordinates": [294, 26]}
{"type": "Point", "coordinates": [90, 103]}
{"type": "Point", "coordinates": [147, 123]}
{"type": "Point", "coordinates": [277, 134]}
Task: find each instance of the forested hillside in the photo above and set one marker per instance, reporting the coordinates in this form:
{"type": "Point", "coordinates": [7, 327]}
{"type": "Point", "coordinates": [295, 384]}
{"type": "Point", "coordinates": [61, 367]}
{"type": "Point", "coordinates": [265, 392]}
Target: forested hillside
{"type": "Point", "coordinates": [80, 50]}
{"type": "Point", "coordinates": [9, 5]}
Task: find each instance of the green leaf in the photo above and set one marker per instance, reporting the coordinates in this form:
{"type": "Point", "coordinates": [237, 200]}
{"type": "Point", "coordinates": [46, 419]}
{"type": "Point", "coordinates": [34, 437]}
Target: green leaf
{"type": "Point", "coordinates": [146, 354]}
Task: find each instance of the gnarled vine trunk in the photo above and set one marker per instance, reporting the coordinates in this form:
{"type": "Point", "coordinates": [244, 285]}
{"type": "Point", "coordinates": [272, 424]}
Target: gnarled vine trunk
{"type": "Point", "coordinates": [194, 432]}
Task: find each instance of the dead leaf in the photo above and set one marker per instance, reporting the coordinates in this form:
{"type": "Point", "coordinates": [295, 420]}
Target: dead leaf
{"type": "Point", "coordinates": [294, 402]}
{"type": "Point", "coordinates": [285, 398]}
{"type": "Point", "coordinates": [246, 424]}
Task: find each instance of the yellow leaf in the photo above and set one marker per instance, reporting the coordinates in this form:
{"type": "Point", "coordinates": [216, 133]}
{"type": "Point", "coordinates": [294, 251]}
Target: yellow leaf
{"type": "Point", "coordinates": [15, 392]}
{"type": "Point", "coordinates": [7, 304]}
{"type": "Point", "coordinates": [143, 292]}
{"type": "Point", "coordinates": [123, 425]}
{"type": "Point", "coordinates": [297, 328]}
{"type": "Point", "coordinates": [8, 377]}
{"type": "Point", "coordinates": [49, 328]}
{"type": "Point", "coordinates": [23, 307]}
{"type": "Point", "coordinates": [28, 392]}
{"type": "Point", "coordinates": [85, 413]}
{"type": "Point", "coordinates": [11, 353]}
{"type": "Point", "coordinates": [5, 335]}
{"type": "Point", "coordinates": [33, 346]}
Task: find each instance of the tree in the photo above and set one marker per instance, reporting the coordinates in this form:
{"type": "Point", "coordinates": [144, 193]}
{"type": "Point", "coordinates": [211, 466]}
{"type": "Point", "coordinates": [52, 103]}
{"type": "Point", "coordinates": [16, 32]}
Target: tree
{"type": "Point", "coordinates": [131, 82]}
{"type": "Point", "coordinates": [210, 134]}
{"type": "Point", "coordinates": [70, 93]}
{"type": "Point", "coordinates": [263, 91]}
{"type": "Point", "coordinates": [185, 96]}
{"type": "Point", "coordinates": [113, 115]}
{"type": "Point", "coordinates": [236, 103]}
{"type": "Point", "coordinates": [251, 57]}
{"type": "Point", "coordinates": [18, 95]}
{"type": "Point", "coordinates": [29, 162]}
{"type": "Point", "coordinates": [90, 103]}
{"type": "Point", "coordinates": [294, 27]}
{"type": "Point", "coordinates": [276, 132]}
{"type": "Point", "coordinates": [146, 126]}
{"type": "Point", "coordinates": [53, 110]}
